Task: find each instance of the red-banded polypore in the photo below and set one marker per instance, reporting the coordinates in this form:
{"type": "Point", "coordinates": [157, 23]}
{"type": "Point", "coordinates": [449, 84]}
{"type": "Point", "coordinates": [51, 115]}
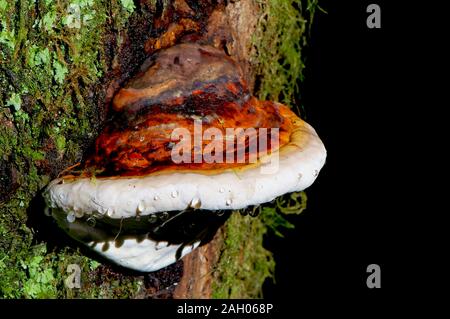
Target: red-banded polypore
{"type": "Point", "coordinates": [138, 204]}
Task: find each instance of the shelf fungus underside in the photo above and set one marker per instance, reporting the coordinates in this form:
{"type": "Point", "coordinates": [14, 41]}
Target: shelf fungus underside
{"type": "Point", "coordinates": [130, 201]}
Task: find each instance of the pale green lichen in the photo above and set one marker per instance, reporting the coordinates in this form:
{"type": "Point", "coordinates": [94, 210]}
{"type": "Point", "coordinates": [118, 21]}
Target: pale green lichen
{"type": "Point", "coordinates": [48, 69]}
{"type": "Point", "coordinates": [128, 5]}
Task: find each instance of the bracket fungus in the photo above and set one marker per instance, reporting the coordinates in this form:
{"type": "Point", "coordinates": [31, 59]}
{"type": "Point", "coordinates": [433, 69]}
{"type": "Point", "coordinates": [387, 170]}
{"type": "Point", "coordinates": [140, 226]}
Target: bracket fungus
{"type": "Point", "coordinates": [167, 157]}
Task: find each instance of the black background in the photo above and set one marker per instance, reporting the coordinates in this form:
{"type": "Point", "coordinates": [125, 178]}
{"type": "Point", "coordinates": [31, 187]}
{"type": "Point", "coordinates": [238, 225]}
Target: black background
{"type": "Point", "coordinates": [354, 96]}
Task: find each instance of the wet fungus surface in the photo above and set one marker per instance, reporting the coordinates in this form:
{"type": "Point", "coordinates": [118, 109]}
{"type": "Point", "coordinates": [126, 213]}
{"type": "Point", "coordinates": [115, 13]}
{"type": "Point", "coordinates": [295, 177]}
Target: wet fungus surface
{"type": "Point", "coordinates": [132, 203]}
{"type": "Point", "coordinates": [174, 88]}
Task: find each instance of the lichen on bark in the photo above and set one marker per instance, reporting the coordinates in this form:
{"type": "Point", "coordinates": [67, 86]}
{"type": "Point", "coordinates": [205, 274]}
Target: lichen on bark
{"type": "Point", "coordinates": [52, 60]}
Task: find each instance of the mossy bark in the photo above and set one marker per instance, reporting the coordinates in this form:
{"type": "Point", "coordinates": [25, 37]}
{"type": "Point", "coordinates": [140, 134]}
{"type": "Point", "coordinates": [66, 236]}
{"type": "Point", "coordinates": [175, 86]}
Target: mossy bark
{"type": "Point", "coordinates": [60, 64]}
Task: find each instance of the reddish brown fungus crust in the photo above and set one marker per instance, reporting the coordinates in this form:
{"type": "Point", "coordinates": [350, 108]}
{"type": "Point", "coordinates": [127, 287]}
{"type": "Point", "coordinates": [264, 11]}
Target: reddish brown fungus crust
{"type": "Point", "coordinates": [174, 88]}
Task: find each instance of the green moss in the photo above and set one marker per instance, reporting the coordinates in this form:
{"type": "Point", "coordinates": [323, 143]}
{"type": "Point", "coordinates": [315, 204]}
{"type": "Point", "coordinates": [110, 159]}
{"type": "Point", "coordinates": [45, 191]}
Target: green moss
{"type": "Point", "coordinates": [273, 215]}
{"type": "Point", "coordinates": [281, 35]}
{"type": "Point", "coordinates": [51, 58]}
{"type": "Point", "coordinates": [244, 263]}
{"type": "Point", "coordinates": [279, 40]}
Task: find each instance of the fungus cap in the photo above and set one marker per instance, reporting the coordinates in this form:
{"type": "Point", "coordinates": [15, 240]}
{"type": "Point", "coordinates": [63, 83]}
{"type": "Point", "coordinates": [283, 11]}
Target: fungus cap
{"type": "Point", "coordinates": [299, 163]}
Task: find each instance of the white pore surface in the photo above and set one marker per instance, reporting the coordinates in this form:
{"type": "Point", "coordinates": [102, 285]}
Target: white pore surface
{"type": "Point", "coordinates": [299, 164]}
{"type": "Point", "coordinates": [144, 256]}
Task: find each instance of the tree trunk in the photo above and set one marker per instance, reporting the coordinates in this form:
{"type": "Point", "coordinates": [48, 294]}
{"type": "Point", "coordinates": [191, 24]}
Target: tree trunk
{"type": "Point", "coordinates": [60, 65]}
